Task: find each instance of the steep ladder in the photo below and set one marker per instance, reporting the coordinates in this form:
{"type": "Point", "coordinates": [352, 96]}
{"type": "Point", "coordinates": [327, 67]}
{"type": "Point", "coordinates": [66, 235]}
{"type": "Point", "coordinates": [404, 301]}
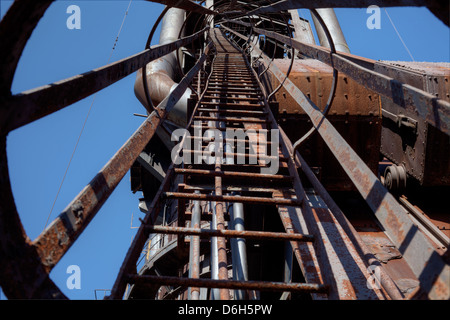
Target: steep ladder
{"type": "Point", "coordinates": [235, 100]}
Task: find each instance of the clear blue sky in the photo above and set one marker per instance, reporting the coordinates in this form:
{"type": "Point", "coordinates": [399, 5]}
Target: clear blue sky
{"type": "Point", "coordinates": [38, 153]}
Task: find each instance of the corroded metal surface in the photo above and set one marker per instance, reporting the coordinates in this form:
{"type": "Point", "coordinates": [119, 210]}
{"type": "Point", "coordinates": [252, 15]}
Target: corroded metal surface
{"type": "Point", "coordinates": [231, 284]}
{"type": "Point", "coordinates": [232, 233]}
{"type": "Point", "coordinates": [63, 231]}
{"type": "Point", "coordinates": [314, 79]}
{"type": "Point", "coordinates": [28, 106]}
{"type": "Point", "coordinates": [337, 265]}
{"type": "Point", "coordinates": [423, 150]}
{"type": "Point", "coordinates": [54, 242]}
{"type": "Point", "coordinates": [355, 113]}
{"type": "Point", "coordinates": [385, 207]}
{"type": "Point", "coordinates": [435, 111]}
{"type": "Point", "coordinates": [418, 251]}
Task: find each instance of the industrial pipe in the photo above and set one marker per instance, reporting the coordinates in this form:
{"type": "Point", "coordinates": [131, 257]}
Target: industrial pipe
{"type": "Point", "coordinates": [329, 17]}
{"type": "Point", "coordinates": [194, 252]}
{"type": "Point", "coordinates": [162, 73]}
{"type": "Point", "coordinates": [238, 248]}
{"type": "Point", "coordinates": [215, 294]}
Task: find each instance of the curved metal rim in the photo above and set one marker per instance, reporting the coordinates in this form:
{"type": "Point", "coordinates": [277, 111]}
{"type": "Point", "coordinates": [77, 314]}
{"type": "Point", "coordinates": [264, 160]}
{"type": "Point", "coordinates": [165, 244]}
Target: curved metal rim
{"type": "Point", "coordinates": [327, 108]}
{"type": "Point", "coordinates": [20, 261]}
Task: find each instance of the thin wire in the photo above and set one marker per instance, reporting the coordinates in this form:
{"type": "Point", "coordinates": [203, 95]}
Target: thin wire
{"type": "Point", "coordinates": [86, 119]}
{"type": "Point", "coordinates": [400, 37]}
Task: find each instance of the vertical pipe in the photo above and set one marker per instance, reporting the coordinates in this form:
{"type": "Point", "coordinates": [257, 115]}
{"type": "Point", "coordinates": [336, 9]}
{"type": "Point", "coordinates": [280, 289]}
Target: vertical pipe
{"type": "Point", "coordinates": [162, 73]}
{"type": "Point", "coordinates": [194, 251]}
{"type": "Point", "coordinates": [210, 5]}
{"type": "Point", "coordinates": [238, 248]}
{"type": "Point", "coordinates": [214, 254]}
{"type": "Point", "coordinates": [288, 259]}
{"type": "Point", "coordinates": [329, 17]}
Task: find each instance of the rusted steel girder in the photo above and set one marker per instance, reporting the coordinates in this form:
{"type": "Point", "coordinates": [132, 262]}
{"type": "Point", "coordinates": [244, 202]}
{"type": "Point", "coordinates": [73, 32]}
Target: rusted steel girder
{"type": "Point", "coordinates": [243, 199]}
{"type": "Point", "coordinates": [435, 111]}
{"type": "Point", "coordinates": [129, 263]}
{"type": "Point", "coordinates": [431, 268]}
{"type": "Point", "coordinates": [439, 8]}
{"type": "Point", "coordinates": [386, 282]}
{"type": "Point", "coordinates": [261, 235]}
{"type": "Point", "coordinates": [229, 284]}
{"type": "Point", "coordinates": [249, 175]}
{"type": "Point", "coordinates": [25, 107]}
{"type": "Point", "coordinates": [337, 258]}
{"type": "Point", "coordinates": [425, 262]}
{"type": "Point", "coordinates": [54, 242]}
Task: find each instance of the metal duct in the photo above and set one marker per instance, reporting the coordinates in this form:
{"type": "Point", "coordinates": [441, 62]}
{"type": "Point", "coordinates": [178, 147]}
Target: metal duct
{"type": "Point", "coordinates": [194, 251]}
{"type": "Point", "coordinates": [329, 17]}
{"type": "Point", "coordinates": [162, 73]}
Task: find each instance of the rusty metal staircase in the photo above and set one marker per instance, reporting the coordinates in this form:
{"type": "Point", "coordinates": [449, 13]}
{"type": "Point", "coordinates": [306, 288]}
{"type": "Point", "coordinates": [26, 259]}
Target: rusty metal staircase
{"type": "Point", "coordinates": [233, 99]}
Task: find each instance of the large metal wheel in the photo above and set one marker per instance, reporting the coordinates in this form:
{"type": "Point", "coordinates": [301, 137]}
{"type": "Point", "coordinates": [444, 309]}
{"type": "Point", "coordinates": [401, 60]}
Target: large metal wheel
{"type": "Point", "coordinates": [395, 178]}
{"type": "Point", "coordinates": [25, 265]}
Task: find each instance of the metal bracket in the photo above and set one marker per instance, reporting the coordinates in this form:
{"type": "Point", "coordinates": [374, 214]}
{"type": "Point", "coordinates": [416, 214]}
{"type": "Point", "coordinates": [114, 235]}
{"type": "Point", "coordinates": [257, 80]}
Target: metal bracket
{"type": "Point", "coordinates": [401, 120]}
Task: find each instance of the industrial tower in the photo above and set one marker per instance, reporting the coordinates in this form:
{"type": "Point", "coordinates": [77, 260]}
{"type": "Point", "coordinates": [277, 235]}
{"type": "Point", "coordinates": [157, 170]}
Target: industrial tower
{"type": "Point", "coordinates": [270, 166]}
